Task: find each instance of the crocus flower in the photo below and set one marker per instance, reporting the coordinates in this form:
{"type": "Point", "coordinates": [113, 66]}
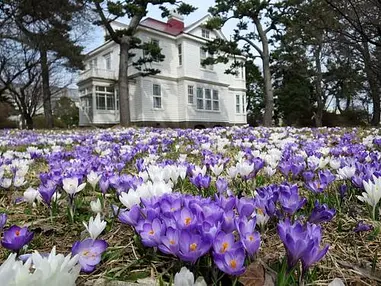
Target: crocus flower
{"type": "Point", "coordinates": [201, 181]}
{"type": "Point", "coordinates": [372, 194]}
{"type": "Point", "coordinates": [361, 226]}
{"type": "Point", "coordinates": [130, 199]}
{"type": "Point", "coordinates": [15, 237]}
{"type": "Point", "coordinates": [186, 278]}
{"type": "Point", "coordinates": [231, 262]}
{"type": "Point", "coordinates": [96, 206]}
{"type": "Point", "coordinates": [96, 226]}
{"type": "Point", "coordinates": [222, 185]}
{"type": "Point", "coordinates": [3, 220]}
{"type": "Point", "coordinates": [192, 246]}
{"type": "Point", "coordinates": [151, 232]}
{"type": "Point", "coordinates": [70, 185]}
{"type": "Point", "coordinates": [321, 213]}
{"type": "Point", "coordinates": [30, 195]}
{"type": "Point", "coordinates": [93, 179]}
{"type": "Point", "coordinates": [89, 252]}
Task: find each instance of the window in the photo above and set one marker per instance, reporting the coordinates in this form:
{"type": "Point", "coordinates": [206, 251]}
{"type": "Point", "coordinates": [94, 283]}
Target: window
{"type": "Point", "coordinates": [200, 98]}
{"type": "Point", "coordinates": [107, 58]}
{"type": "Point", "coordinates": [208, 99]}
{"type": "Point", "coordinates": [146, 54]}
{"type": "Point", "coordinates": [216, 101]}
{"type": "Point", "coordinates": [237, 104]}
{"type": "Point", "coordinates": [242, 72]}
{"type": "Point", "coordinates": [156, 96]}
{"type": "Point", "coordinates": [204, 55]}
{"type": "Point", "coordinates": [243, 103]}
{"type": "Point", "coordinates": [190, 94]}
{"type": "Point", "coordinates": [105, 98]}
{"type": "Point", "coordinates": [205, 33]}
{"type": "Point", "coordinates": [180, 50]}
{"type": "Point", "coordinates": [93, 63]}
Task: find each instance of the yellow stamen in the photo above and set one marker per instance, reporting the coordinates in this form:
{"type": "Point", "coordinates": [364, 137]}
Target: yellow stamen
{"type": "Point", "coordinates": [188, 220]}
{"type": "Point", "coordinates": [193, 247]}
{"type": "Point", "coordinates": [224, 247]}
{"type": "Point", "coordinates": [233, 264]}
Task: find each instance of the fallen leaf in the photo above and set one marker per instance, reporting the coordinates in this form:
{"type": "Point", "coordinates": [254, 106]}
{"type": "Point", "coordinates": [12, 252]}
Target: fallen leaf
{"type": "Point", "coordinates": [255, 275]}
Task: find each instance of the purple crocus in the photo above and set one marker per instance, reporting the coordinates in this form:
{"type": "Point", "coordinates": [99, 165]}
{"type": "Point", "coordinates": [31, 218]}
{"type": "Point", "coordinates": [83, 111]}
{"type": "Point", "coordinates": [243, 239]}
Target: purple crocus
{"type": "Point", "coordinates": [3, 220]}
{"type": "Point", "coordinates": [15, 237]}
{"type": "Point", "coordinates": [200, 181]}
{"type": "Point", "coordinates": [90, 252]}
{"type": "Point", "coordinates": [192, 246]}
{"type": "Point", "coordinates": [321, 213]}
{"type": "Point", "coordinates": [221, 185]}
{"type": "Point", "coordinates": [290, 200]}
{"type": "Point", "coordinates": [249, 237]}
{"type": "Point", "coordinates": [301, 242]}
{"type": "Point", "coordinates": [151, 232]}
{"type": "Point", "coordinates": [231, 262]}
{"type": "Point", "coordinates": [225, 242]}
{"type": "Point", "coordinates": [361, 227]}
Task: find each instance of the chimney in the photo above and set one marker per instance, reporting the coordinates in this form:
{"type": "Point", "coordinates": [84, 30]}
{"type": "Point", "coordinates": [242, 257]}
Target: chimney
{"type": "Point", "coordinates": [175, 20]}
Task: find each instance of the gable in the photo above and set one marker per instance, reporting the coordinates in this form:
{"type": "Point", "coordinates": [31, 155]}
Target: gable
{"type": "Point", "coordinates": [197, 29]}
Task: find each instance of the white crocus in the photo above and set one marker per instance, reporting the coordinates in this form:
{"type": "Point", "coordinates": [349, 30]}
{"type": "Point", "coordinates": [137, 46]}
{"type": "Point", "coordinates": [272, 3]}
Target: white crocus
{"type": "Point", "coordinates": [186, 278]}
{"type": "Point", "coordinates": [30, 195]}
{"type": "Point", "coordinates": [54, 270]}
{"type": "Point", "coordinates": [96, 206]}
{"type": "Point", "coordinates": [18, 181]}
{"type": "Point", "coordinates": [96, 226]}
{"type": "Point", "coordinates": [217, 169]}
{"type": "Point", "coordinates": [346, 172]}
{"type": "Point", "coordinates": [6, 183]}
{"type": "Point", "coordinates": [130, 199]}
{"type": "Point", "coordinates": [269, 171]}
{"type": "Point", "coordinates": [372, 194]}
{"type": "Point", "coordinates": [70, 185]}
{"type": "Point", "coordinates": [93, 179]}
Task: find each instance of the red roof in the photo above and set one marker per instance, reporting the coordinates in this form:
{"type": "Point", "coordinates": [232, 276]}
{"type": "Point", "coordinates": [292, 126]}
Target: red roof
{"type": "Point", "coordinates": [168, 28]}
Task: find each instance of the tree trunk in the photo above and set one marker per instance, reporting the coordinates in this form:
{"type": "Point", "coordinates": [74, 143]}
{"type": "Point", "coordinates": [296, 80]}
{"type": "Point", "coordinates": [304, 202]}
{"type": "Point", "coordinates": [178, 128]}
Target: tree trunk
{"type": "Point", "coordinates": [373, 84]}
{"type": "Point", "coordinates": [268, 92]}
{"type": "Point", "coordinates": [29, 121]}
{"type": "Point", "coordinates": [124, 96]}
{"type": "Point", "coordinates": [319, 92]}
{"type": "Point", "coordinates": [46, 89]}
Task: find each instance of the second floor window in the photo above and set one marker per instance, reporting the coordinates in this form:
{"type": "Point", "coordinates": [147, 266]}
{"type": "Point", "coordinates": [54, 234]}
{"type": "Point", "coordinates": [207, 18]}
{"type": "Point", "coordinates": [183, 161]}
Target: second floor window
{"type": "Point", "coordinates": [93, 63]}
{"type": "Point", "coordinates": [204, 55]}
{"type": "Point", "coordinates": [190, 94]}
{"type": "Point", "coordinates": [156, 96]}
{"type": "Point", "coordinates": [180, 51]}
{"type": "Point", "coordinates": [107, 58]}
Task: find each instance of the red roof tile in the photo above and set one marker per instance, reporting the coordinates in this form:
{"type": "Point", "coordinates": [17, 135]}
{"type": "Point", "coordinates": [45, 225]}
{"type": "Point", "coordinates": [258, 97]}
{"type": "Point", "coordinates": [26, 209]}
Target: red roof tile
{"type": "Point", "coordinates": [167, 28]}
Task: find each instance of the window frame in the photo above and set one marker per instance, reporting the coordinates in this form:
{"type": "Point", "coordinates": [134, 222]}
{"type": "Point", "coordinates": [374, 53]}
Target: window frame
{"type": "Point", "coordinates": [106, 94]}
{"type": "Point", "coordinates": [190, 94]}
{"type": "Point", "coordinates": [238, 103]}
{"type": "Point", "coordinates": [180, 53]}
{"type": "Point", "coordinates": [107, 58]}
{"type": "Point", "coordinates": [200, 98]}
{"type": "Point", "coordinates": [215, 102]}
{"type": "Point", "coordinates": [205, 33]}
{"type": "Point", "coordinates": [157, 96]}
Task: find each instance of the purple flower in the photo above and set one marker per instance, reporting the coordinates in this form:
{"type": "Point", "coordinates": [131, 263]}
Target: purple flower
{"type": "Point", "coordinates": [225, 242]}
{"type": "Point", "coordinates": [361, 226]}
{"type": "Point", "coordinates": [316, 186]}
{"type": "Point", "coordinates": [249, 237]}
{"type": "Point", "coordinates": [301, 242]}
{"type": "Point", "coordinates": [192, 246]}
{"type": "Point", "coordinates": [130, 217]}
{"type": "Point", "coordinates": [290, 200]}
{"type": "Point", "coordinates": [15, 237]}
{"type": "Point", "coordinates": [231, 262]}
{"type": "Point", "coordinates": [151, 232]}
{"type": "Point", "coordinates": [3, 220]}
{"type": "Point", "coordinates": [90, 252]}
{"type": "Point", "coordinates": [222, 185]}
{"type": "Point", "coordinates": [200, 181]}
{"type": "Point", "coordinates": [170, 241]}
{"type": "Point", "coordinates": [321, 213]}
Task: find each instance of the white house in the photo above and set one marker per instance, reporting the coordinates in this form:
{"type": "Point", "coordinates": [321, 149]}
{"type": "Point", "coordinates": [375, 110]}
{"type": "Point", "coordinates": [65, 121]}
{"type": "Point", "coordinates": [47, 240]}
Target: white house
{"type": "Point", "coordinates": [183, 94]}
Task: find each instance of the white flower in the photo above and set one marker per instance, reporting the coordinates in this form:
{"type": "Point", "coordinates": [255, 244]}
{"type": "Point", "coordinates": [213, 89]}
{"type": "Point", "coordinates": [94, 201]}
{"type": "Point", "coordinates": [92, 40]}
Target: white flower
{"type": "Point", "coordinates": [54, 270]}
{"type": "Point", "coordinates": [96, 206]}
{"type": "Point", "coordinates": [130, 199]}
{"type": "Point", "coordinates": [93, 178]}
{"type": "Point", "coordinates": [19, 181]}
{"type": "Point", "coordinates": [269, 171]}
{"type": "Point", "coordinates": [6, 183]}
{"type": "Point", "coordinates": [244, 168]}
{"type": "Point", "coordinates": [70, 185]}
{"type": "Point", "coordinates": [346, 172]}
{"type": "Point", "coordinates": [334, 164]}
{"type": "Point", "coordinates": [372, 194]}
{"type": "Point", "coordinates": [30, 195]}
{"type": "Point", "coordinates": [217, 169]}
{"type": "Point", "coordinates": [186, 278]}
{"type": "Point", "coordinates": [96, 226]}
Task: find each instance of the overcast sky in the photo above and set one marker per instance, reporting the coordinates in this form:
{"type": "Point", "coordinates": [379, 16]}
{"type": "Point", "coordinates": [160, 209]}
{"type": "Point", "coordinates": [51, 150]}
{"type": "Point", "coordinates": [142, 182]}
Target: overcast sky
{"type": "Point", "coordinates": [154, 12]}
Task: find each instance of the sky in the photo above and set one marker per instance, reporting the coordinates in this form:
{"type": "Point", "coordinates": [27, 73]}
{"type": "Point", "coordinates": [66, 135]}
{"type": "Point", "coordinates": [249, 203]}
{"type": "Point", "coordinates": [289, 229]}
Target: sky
{"type": "Point", "coordinates": [97, 37]}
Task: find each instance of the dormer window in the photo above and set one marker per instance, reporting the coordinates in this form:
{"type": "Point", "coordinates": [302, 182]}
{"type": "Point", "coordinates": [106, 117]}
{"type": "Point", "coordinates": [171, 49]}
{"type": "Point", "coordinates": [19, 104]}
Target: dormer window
{"type": "Point", "coordinates": [205, 33]}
